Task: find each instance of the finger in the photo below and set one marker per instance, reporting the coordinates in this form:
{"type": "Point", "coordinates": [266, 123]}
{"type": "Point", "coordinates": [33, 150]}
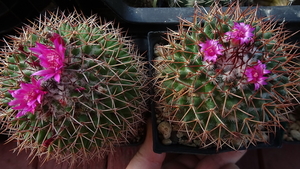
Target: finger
{"type": "Point", "coordinates": [175, 165]}
{"type": "Point", "coordinates": [145, 158]}
{"type": "Point", "coordinates": [230, 166]}
{"type": "Point", "coordinates": [217, 161]}
{"type": "Point", "coordinates": [185, 161]}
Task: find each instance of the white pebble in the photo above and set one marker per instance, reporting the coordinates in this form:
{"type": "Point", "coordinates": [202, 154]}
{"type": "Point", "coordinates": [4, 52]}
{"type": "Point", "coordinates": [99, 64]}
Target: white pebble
{"type": "Point", "coordinates": [167, 141]}
{"type": "Point", "coordinates": [295, 134]}
{"type": "Point", "coordinates": [294, 126]}
{"type": "Point", "coordinates": [165, 129]}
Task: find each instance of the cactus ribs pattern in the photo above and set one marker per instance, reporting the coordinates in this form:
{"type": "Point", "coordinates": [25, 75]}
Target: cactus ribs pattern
{"type": "Point", "coordinates": [226, 78]}
{"type": "Point", "coordinates": [72, 88]}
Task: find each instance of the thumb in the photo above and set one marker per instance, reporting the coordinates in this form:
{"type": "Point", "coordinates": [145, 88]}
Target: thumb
{"type": "Point", "coordinates": [145, 158]}
{"type": "Point", "coordinates": [230, 166]}
{"type": "Point", "coordinates": [219, 160]}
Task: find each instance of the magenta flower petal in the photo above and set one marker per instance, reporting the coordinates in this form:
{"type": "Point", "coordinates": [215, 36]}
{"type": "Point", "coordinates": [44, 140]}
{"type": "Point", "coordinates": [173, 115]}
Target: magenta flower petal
{"type": "Point", "coordinates": [27, 97]}
{"type": "Point", "coordinates": [255, 74]}
{"type": "Point", "coordinates": [57, 77]}
{"type": "Point", "coordinates": [39, 99]}
{"type": "Point", "coordinates": [39, 49]}
{"type": "Point", "coordinates": [241, 34]}
{"type": "Point", "coordinates": [58, 38]}
{"type": "Point", "coordinates": [22, 113]}
{"type": "Point", "coordinates": [15, 102]}
{"type": "Point", "coordinates": [49, 73]}
{"type": "Point", "coordinates": [210, 50]}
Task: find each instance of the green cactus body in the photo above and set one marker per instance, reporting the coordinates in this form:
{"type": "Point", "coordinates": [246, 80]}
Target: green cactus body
{"type": "Point", "coordinates": [211, 102]}
{"type": "Point", "coordinates": [99, 102]}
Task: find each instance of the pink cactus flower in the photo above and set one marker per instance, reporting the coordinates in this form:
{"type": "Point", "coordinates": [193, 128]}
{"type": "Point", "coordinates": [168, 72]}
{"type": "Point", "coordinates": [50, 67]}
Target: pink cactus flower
{"type": "Point", "coordinates": [210, 50]}
{"type": "Point", "coordinates": [241, 34]}
{"type": "Point", "coordinates": [51, 59]}
{"type": "Point", "coordinates": [27, 97]}
{"type": "Point", "coordinates": [255, 74]}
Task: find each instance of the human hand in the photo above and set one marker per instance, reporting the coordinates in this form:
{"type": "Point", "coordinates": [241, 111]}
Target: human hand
{"type": "Point", "coordinates": [224, 160]}
{"type": "Point", "coordinates": [145, 158]}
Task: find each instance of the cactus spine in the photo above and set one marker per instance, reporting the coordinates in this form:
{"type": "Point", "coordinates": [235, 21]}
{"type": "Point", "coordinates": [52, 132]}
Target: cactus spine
{"type": "Point", "coordinates": [72, 88]}
{"type": "Point", "coordinates": [225, 78]}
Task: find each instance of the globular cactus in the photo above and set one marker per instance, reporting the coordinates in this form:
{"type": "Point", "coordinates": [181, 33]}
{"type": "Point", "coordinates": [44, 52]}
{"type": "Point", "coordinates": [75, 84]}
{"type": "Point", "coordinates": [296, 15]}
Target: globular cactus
{"type": "Point", "coordinates": [72, 88]}
{"type": "Point", "coordinates": [225, 79]}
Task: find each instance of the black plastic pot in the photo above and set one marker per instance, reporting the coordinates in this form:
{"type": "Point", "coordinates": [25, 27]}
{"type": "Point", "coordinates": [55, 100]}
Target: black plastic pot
{"type": "Point", "coordinates": [3, 137]}
{"type": "Point", "coordinates": [275, 140]}
{"type": "Point", "coordinates": [170, 15]}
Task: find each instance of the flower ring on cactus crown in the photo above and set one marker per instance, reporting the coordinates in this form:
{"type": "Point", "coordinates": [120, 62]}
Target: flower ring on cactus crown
{"type": "Point", "coordinates": [27, 97]}
{"type": "Point", "coordinates": [51, 59]}
{"type": "Point", "coordinates": [255, 74]}
{"type": "Point", "coordinates": [210, 50]}
{"type": "Point", "coordinates": [241, 34]}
